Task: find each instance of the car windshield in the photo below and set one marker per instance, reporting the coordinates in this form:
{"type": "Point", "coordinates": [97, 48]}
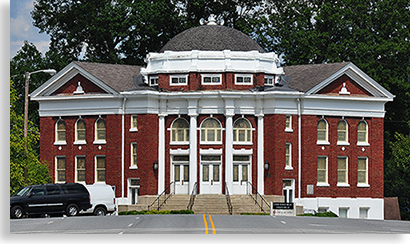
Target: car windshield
{"type": "Point", "coordinates": [22, 192]}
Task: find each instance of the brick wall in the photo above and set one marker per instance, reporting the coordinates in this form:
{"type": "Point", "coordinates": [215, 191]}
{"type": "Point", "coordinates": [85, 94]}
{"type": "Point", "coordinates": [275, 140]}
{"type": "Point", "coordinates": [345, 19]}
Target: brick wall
{"type": "Point", "coordinates": [374, 153]}
{"type": "Point", "coordinates": [194, 83]}
{"type": "Point", "coordinates": [147, 149]}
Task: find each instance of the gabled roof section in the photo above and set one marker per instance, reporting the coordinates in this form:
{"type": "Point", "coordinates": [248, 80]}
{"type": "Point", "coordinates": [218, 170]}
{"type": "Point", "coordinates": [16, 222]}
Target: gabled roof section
{"type": "Point", "coordinates": [111, 78]}
{"type": "Point", "coordinates": [312, 78]}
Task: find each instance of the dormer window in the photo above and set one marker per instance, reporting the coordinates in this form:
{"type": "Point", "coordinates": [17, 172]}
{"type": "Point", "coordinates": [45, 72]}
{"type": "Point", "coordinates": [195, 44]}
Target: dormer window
{"type": "Point", "coordinates": [243, 80]}
{"type": "Point", "coordinates": [211, 79]}
{"type": "Point", "coordinates": [269, 80]}
{"type": "Point", "coordinates": [153, 81]}
{"type": "Point", "coordinates": [178, 80]}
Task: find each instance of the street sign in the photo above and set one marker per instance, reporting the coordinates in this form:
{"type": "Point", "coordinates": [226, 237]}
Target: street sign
{"type": "Point", "coordinates": [282, 205]}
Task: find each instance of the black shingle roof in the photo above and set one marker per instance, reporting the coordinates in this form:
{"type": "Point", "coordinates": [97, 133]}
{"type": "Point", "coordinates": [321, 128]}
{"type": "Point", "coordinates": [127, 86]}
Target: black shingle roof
{"type": "Point", "coordinates": [211, 38]}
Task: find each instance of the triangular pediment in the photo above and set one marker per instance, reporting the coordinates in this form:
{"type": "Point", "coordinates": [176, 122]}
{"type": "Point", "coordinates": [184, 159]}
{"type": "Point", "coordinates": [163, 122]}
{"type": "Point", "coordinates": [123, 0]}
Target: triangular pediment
{"type": "Point", "coordinates": [67, 81]}
{"type": "Point", "coordinates": [350, 81]}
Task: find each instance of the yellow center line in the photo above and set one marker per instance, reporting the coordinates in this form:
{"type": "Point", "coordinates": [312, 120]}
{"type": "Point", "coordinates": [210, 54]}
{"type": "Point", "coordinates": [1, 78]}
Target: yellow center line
{"type": "Point", "coordinates": [206, 225]}
{"type": "Point", "coordinates": [212, 223]}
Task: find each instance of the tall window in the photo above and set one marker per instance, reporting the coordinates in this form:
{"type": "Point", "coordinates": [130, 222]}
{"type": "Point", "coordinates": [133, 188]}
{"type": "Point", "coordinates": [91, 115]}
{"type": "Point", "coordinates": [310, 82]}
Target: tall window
{"type": "Point", "coordinates": [180, 131]}
{"type": "Point", "coordinates": [211, 131]}
{"type": "Point", "coordinates": [362, 172]}
{"type": "Point", "coordinates": [80, 168]}
{"type": "Point", "coordinates": [362, 133]}
{"type": "Point", "coordinates": [134, 154]}
{"type": "Point", "coordinates": [342, 171]}
{"type": "Point", "coordinates": [322, 170]}
{"type": "Point", "coordinates": [60, 131]}
{"type": "Point", "coordinates": [322, 135]}
{"type": "Point", "coordinates": [288, 155]}
{"type": "Point", "coordinates": [100, 169]}
{"type": "Point", "coordinates": [288, 123]}
{"type": "Point", "coordinates": [60, 169]}
{"type": "Point", "coordinates": [80, 130]}
{"type": "Point", "coordinates": [342, 131]}
{"type": "Point", "coordinates": [134, 123]}
{"type": "Point", "coordinates": [242, 131]}
{"type": "Point", "coordinates": [100, 130]}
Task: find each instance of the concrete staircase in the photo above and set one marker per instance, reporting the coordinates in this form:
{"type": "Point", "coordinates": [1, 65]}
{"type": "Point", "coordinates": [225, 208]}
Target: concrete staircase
{"type": "Point", "coordinates": [208, 204]}
{"type": "Point", "coordinates": [211, 204]}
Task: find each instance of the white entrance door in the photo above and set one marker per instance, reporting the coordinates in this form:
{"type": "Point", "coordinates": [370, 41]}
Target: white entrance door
{"type": "Point", "coordinates": [180, 171]}
{"type": "Point", "coordinates": [241, 173]}
{"type": "Point", "coordinates": [210, 174]}
{"type": "Point", "coordinates": [288, 190]}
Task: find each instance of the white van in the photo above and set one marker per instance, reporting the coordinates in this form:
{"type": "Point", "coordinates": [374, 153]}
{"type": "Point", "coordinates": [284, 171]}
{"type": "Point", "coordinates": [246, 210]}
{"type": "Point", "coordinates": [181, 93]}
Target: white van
{"type": "Point", "coordinates": [102, 199]}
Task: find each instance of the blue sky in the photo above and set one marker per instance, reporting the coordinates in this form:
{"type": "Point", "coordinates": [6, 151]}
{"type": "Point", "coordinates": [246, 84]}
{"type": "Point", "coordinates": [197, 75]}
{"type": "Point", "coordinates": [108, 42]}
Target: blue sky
{"type": "Point", "coordinates": [21, 27]}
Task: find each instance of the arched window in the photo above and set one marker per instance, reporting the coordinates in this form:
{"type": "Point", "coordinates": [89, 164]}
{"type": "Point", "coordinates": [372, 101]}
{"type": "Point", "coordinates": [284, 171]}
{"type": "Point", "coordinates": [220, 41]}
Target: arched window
{"type": "Point", "coordinates": [60, 131]}
{"type": "Point", "coordinates": [100, 129]}
{"type": "Point", "coordinates": [242, 131]}
{"type": "Point", "coordinates": [362, 132]}
{"type": "Point", "coordinates": [80, 130]}
{"type": "Point", "coordinates": [322, 135]}
{"type": "Point", "coordinates": [180, 131]}
{"type": "Point", "coordinates": [342, 131]}
{"type": "Point", "coordinates": [211, 131]}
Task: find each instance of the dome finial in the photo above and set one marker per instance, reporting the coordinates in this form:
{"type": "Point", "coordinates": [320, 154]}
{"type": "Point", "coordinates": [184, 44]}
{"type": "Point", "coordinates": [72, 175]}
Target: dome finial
{"type": "Point", "coordinates": [211, 20]}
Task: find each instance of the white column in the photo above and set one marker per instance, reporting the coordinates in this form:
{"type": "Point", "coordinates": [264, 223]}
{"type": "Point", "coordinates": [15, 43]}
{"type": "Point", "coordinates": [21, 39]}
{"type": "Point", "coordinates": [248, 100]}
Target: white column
{"type": "Point", "coordinates": [193, 142]}
{"type": "Point", "coordinates": [192, 152]}
{"type": "Point", "coordinates": [261, 181]}
{"type": "Point", "coordinates": [161, 154]}
{"type": "Point", "coordinates": [229, 152]}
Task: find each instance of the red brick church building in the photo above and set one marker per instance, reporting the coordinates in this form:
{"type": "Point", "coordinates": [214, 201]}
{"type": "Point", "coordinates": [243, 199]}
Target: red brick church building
{"type": "Point", "coordinates": [213, 110]}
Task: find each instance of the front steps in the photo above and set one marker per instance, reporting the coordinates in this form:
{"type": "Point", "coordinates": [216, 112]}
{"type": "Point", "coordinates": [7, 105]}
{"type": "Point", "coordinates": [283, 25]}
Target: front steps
{"type": "Point", "coordinates": [205, 204]}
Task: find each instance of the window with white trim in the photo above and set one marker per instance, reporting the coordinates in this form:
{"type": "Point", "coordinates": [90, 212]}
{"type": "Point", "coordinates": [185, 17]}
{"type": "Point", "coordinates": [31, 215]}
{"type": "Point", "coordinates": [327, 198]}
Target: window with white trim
{"type": "Point", "coordinates": [180, 131]}
{"type": "Point", "coordinates": [80, 168]}
{"type": "Point", "coordinates": [269, 80]}
{"type": "Point", "coordinates": [153, 81]}
{"type": "Point", "coordinates": [242, 131]}
{"type": "Point", "coordinates": [60, 131]}
{"type": "Point", "coordinates": [134, 123]}
{"type": "Point", "coordinates": [243, 79]}
{"type": "Point", "coordinates": [80, 130]}
{"type": "Point", "coordinates": [211, 79]}
{"type": "Point", "coordinates": [211, 131]}
{"type": "Point", "coordinates": [100, 130]}
{"type": "Point", "coordinates": [288, 127]}
{"type": "Point", "coordinates": [178, 80]}
{"type": "Point", "coordinates": [100, 169]}
{"type": "Point", "coordinates": [322, 132]}
{"type": "Point", "coordinates": [133, 154]}
{"type": "Point", "coordinates": [362, 135]}
{"type": "Point", "coordinates": [362, 172]}
{"type": "Point", "coordinates": [342, 171]}
{"type": "Point", "coordinates": [60, 169]}
{"type": "Point", "coordinates": [288, 164]}
{"type": "Point", "coordinates": [342, 132]}
{"type": "Point", "coordinates": [322, 171]}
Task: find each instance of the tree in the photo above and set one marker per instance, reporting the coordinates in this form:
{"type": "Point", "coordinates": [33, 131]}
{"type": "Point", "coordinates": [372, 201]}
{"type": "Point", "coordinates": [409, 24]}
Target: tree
{"type": "Point", "coordinates": [25, 167]}
{"type": "Point", "coordinates": [397, 172]}
{"type": "Point", "coordinates": [125, 32]}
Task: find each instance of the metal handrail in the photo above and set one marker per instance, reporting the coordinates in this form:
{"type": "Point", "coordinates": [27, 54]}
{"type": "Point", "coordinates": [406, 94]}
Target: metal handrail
{"type": "Point", "coordinates": [164, 193]}
{"type": "Point", "coordinates": [228, 199]}
{"type": "Point", "coordinates": [256, 197]}
{"type": "Point", "coordinates": [192, 198]}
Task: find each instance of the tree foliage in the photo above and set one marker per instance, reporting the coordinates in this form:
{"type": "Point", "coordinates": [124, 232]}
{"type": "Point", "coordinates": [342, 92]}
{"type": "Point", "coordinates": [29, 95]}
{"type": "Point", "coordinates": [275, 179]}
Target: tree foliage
{"type": "Point", "coordinates": [25, 167]}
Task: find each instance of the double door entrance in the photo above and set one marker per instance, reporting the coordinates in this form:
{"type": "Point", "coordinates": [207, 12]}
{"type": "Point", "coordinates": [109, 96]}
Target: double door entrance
{"type": "Point", "coordinates": [210, 174]}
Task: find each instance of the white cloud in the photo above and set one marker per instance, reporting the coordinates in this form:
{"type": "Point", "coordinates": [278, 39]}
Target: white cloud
{"type": "Point", "coordinates": [21, 28]}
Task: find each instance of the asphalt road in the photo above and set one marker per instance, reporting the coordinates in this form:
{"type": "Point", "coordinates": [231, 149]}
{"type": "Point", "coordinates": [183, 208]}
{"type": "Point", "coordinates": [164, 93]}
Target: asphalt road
{"type": "Point", "coordinates": [204, 224]}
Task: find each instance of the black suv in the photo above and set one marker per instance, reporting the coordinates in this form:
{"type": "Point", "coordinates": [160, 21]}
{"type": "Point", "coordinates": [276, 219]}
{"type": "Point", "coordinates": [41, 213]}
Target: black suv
{"type": "Point", "coordinates": [68, 198]}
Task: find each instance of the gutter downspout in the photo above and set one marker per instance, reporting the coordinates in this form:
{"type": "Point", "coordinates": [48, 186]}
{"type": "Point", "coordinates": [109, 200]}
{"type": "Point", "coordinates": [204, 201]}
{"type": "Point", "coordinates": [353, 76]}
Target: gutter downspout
{"type": "Point", "coordinates": [122, 147]}
{"type": "Point", "coordinates": [299, 151]}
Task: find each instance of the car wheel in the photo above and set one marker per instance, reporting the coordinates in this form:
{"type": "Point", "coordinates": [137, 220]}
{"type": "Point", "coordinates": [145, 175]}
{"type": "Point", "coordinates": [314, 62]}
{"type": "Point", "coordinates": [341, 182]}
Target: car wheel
{"type": "Point", "coordinates": [72, 210]}
{"type": "Point", "coordinates": [100, 211]}
{"type": "Point", "coordinates": [16, 212]}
